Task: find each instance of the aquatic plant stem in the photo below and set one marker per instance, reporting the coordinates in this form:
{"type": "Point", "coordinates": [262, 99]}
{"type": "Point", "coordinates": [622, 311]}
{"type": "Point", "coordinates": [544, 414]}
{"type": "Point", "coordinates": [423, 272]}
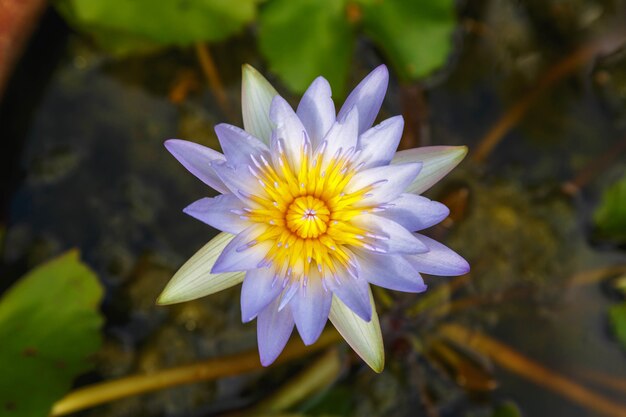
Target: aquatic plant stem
{"type": "Point", "coordinates": [515, 362]}
{"type": "Point", "coordinates": [557, 72]}
{"type": "Point", "coordinates": [108, 391]}
{"type": "Point", "coordinates": [596, 166]}
{"type": "Point", "coordinates": [314, 378]}
{"type": "Point", "coordinates": [213, 76]}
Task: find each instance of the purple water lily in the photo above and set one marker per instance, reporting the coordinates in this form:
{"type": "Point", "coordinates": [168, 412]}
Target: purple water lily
{"type": "Point", "coordinates": [315, 206]}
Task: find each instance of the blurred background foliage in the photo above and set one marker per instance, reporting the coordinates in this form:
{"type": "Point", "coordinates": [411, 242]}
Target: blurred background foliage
{"type": "Point", "coordinates": [536, 89]}
{"type": "Point", "coordinates": [300, 39]}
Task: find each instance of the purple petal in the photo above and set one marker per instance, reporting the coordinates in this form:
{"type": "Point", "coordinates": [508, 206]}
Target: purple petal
{"type": "Point", "coordinates": [342, 136]}
{"type": "Point", "coordinates": [243, 253]}
{"type": "Point", "coordinates": [239, 180]}
{"type": "Point", "coordinates": [367, 97]}
{"type": "Point", "coordinates": [378, 145]}
{"type": "Point", "coordinates": [389, 271]}
{"type": "Point", "coordinates": [273, 330]}
{"type": "Point", "coordinates": [439, 260]}
{"type": "Point", "coordinates": [317, 110]}
{"type": "Point", "coordinates": [386, 236]}
{"type": "Point", "coordinates": [218, 212]}
{"type": "Point", "coordinates": [259, 289]}
{"type": "Point", "coordinates": [197, 159]}
{"type": "Point", "coordinates": [352, 291]}
{"type": "Point", "coordinates": [415, 212]}
{"type": "Point", "coordinates": [387, 183]}
{"type": "Point", "coordinates": [310, 308]}
{"type": "Point", "coordinates": [288, 130]}
{"type": "Point", "coordinates": [238, 145]}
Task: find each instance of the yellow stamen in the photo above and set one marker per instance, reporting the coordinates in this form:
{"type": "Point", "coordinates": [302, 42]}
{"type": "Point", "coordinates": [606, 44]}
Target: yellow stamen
{"type": "Point", "coordinates": [307, 212]}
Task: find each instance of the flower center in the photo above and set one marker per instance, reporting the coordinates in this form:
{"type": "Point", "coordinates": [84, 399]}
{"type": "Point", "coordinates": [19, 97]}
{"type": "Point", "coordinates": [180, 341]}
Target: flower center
{"type": "Point", "coordinates": [307, 217]}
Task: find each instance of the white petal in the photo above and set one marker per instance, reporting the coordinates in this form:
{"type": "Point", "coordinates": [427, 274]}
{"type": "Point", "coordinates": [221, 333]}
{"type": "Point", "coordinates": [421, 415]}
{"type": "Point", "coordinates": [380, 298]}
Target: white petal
{"type": "Point", "coordinates": [218, 212]}
{"type": "Point", "coordinates": [341, 137]}
{"type": "Point", "coordinates": [387, 183]}
{"type": "Point", "coordinates": [197, 159]}
{"type": "Point", "coordinates": [389, 271]}
{"type": "Point", "coordinates": [256, 97]}
{"type": "Point", "coordinates": [387, 236]}
{"type": "Point", "coordinates": [194, 279]}
{"type": "Point", "coordinates": [317, 110]}
{"type": "Point", "coordinates": [310, 308]}
{"type": "Point", "coordinates": [352, 291]}
{"type": "Point", "coordinates": [415, 212]}
{"type": "Point", "coordinates": [274, 327]}
{"type": "Point", "coordinates": [238, 145]}
{"type": "Point", "coordinates": [367, 97]}
{"type": "Point", "coordinates": [437, 162]}
{"type": "Point", "coordinates": [288, 130]}
{"type": "Point", "coordinates": [363, 336]}
{"type": "Point", "coordinates": [259, 289]}
{"type": "Point", "coordinates": [378, 145]}
{"type": "Point", "coordinates": [243, 253]}
{"type": "Point", "coordinates": [439, 260]}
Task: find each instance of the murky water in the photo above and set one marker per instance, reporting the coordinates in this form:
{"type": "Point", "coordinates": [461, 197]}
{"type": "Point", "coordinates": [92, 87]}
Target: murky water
{"type": "Point", "coordinates": [93, 174]}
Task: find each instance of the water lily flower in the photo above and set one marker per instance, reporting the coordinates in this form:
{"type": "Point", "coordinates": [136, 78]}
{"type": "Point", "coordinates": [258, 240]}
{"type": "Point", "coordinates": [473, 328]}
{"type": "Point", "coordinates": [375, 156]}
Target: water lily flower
{"type": "Point", "coordinates": [314, 207]}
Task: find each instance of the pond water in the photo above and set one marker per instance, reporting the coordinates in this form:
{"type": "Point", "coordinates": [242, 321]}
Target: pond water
{"type": "Point", "coordinates": [88, 170]}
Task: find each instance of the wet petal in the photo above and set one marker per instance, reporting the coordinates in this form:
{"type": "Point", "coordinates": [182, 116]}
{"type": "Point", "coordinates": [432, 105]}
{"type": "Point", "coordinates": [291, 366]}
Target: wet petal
{"type": "Point", "coordinates": [389, 271]}
{"type": "Point", "coordinates": [243, 253]}
{"type": "Point", "coordinates": [439, 260]}
{"type": "Point", "coordinates": [238, 145]}
{"type": "Point", "coordinates": [367, 97]}
{"type": "Point", "coordinates": [310, 308]}
{"type": "Point", "coordinates": [219, 212]}
{"type": "Point", "coordinates": [197, 159]}
{"type": "Point", "coordinates": [386, 236]}
{"type": "Point", "coordinates": [194, 280]}
{"type": "Point", "coordinates": [273, 330]}
{"type": "Point", "coordinates": [437, 162]}
{"type": "Point", "coordinates": [317, 110]}
{"type": "Point", "coordinates": [387, 183]}
{"type": "Point", "coordinates": [415, 212]}
{"type": "Point", "coordinates": [378, 145]}
{"type": "Point", "coordinates": [289, 131]}
{"type": "Point", "coordinates": [363, 336]}
{"type": "Point", "coordinates": [256, 97]}
{"type": "Point", "coordinates": [259, 289]}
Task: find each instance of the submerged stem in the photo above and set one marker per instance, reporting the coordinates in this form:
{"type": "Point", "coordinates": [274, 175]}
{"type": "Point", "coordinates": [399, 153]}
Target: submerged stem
{"type": "Point", "coordinates": [108, 391]}
{"type": "Point", "coordinates": [531, 370]}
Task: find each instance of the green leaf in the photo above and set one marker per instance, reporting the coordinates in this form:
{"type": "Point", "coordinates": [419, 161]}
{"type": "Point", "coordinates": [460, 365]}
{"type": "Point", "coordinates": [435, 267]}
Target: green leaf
{"type": "Point", "coordinates": [610, 216]}
{"type": "Point", "coordinates": [617, 316]}
{"type": "Point", "coordinates": [127, 25]}
{"type": "Point", "coordinates": [416, 36]}
{"type": "Point", "coordinates": [49, 328]}
{"type": "Point", "coordinates": [306, 38]}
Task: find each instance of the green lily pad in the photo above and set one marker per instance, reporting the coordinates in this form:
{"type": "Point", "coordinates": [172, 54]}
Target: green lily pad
{"type": "Point", "coordinates": [129, 25]}
{"type": "Point", "coordinates": [49, 328]}
{"type": "Point", "coordinates": [610, 216]}
{"type": "Point", "coordinates": [306, 38]}
{"type": "Point", "coordinates": [416, 36]}
{"type": "Point", "coordinates": [617, 316]}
